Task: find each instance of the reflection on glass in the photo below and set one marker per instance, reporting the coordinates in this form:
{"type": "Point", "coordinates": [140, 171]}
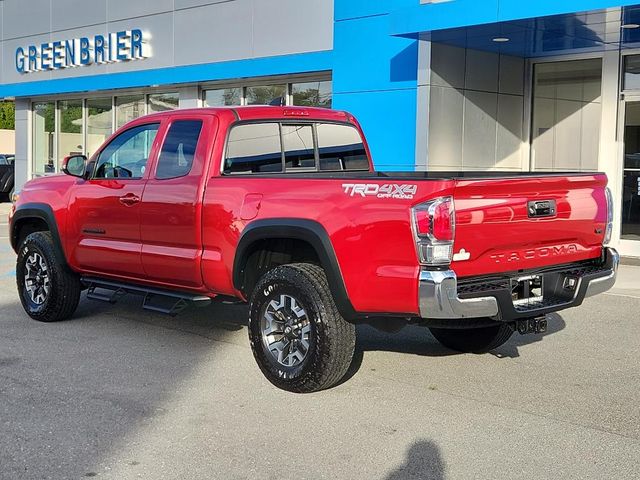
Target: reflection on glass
{"type": "Point", "coordinates": [223, 97]}
{"type": "Point", "coordinates": [631, 180]}
{"type": "Point", "coordinates": [267, 95]}
{"type": "Point", "coordinates": [340, 148]}
{"type": "Point", "coordinates": [299, 152]}
{"type": "Point", "coordinates": [126, 155]}
{"type": "Point", "coordinates": [99, 122]}
{"type": "Point", "coordinates": [70, 134]}
{"type": "Point", "coordinates": [312, 94]}
{"type": "Point", "coordinates": [160, 102]}
{"type": "Point", "coordinates": [43, 137]}
{"type": "Point", "coordinates": [632, 72]}
{"type": "Point", "coordinates": [129, 108]}
{"type": "Point", "coordinates": [254, 148]}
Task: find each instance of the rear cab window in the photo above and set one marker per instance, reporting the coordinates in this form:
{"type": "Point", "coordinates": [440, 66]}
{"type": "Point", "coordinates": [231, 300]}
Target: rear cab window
{"type": "Point", "coordinates": [294, 147]}
{"type": "Point", "coordinates": [254, 148]}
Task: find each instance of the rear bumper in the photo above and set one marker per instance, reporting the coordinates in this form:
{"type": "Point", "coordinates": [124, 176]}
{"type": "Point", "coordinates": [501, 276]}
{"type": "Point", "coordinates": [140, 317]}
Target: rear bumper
{"type": "Point", "coordinates": [441, 296]}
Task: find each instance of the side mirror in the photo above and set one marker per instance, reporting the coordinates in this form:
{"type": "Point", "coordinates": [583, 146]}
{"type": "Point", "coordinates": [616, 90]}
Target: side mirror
{"type": "Point", "coordinates": [75, 165]}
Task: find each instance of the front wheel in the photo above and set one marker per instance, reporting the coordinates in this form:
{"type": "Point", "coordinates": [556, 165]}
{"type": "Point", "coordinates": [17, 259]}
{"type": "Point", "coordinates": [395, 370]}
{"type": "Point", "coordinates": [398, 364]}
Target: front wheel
{"type": "Point", "coordinates": [48, 290]}
{"type": "Point", "coordinates": [473, 340]}
{"type": "Point", "coordinates": [299, 339]}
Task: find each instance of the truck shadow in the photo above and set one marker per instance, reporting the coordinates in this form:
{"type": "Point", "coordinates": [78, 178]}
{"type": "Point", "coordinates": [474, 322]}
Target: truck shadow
{"type": "Point", "coordinates": [417, 340]}
{"type": "Point", "coordinates": [555, 323]}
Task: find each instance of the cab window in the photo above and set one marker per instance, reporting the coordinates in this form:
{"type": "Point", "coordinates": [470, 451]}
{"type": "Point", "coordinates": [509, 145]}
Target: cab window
{"type": "Point", "coordinates": [340, 148]}
{"type": "Point", "coordinates": [254, 148]}
{"type": "Point", "coordinates": [127, 155]}
{"type": "Point", "coordinates": [179, 149]}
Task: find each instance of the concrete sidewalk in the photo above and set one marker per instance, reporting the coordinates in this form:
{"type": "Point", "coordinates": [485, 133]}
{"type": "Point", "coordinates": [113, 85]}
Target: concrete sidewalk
{"type": "Point", "coordinates": [628, 282]}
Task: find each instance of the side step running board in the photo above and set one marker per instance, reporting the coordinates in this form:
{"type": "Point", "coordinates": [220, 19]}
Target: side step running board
{"type": "Point", "coordinates": [154, 299]}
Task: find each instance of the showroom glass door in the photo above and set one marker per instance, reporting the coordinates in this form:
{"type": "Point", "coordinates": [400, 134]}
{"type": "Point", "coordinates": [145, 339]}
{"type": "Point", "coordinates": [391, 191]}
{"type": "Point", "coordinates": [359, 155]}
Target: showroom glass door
{"type": "Point", "coordinates": [630, 198]}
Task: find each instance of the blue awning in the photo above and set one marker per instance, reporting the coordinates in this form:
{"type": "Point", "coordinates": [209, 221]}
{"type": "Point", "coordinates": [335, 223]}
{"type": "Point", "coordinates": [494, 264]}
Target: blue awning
{"type": "Point", "coordinates": [592, 31]}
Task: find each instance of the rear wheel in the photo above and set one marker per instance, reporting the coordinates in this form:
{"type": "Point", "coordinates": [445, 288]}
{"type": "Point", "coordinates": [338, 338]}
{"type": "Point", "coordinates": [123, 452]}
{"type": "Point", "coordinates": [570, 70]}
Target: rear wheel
{"type": "Point", "coordinates": [299, 339]}
{"type": "Point", "coordinates": [473, 340]}
{"type": "Point", "coordinates": [48, 290]}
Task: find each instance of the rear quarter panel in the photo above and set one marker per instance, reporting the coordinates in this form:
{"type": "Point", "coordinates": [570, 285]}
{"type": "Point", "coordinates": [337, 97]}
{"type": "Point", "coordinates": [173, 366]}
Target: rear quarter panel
{"type": "Point", "coordinates": [371, 236]}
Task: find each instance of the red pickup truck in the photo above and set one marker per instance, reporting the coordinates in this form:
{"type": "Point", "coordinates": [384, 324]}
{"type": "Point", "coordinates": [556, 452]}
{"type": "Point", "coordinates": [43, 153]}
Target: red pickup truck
{"type": "Point", "coordinates": [280, 207]}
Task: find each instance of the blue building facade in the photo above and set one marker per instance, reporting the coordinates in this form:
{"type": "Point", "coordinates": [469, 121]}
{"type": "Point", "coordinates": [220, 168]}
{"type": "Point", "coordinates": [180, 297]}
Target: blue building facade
{"type": "Point", "coordinates": [443, 85]}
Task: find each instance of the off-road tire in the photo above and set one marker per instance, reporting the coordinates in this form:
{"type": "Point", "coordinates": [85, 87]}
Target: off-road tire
{"type": "Point", "coordinates": [473, 340]}
{"type": "Point", "coordinates": [65, 286]}
{"type": "Point", "coordinates": [331, 339]}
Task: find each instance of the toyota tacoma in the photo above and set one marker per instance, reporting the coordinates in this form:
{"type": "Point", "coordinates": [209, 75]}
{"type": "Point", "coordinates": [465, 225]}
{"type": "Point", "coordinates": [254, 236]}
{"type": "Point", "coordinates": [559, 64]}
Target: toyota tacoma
{"type": "Point", "coordinates": [280, 207]}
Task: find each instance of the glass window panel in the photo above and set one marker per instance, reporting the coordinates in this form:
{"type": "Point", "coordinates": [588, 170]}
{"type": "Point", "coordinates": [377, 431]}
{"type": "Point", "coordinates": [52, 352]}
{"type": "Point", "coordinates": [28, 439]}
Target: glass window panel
{"type": "Point", "coordinates": [43, 137]}
{"type": "Point", "coordinates": [299, 152]}
{"type": "Point", "coordinates": [99, 123]}
{"type": "Point", "coordinates": [312, 94]}
{"type": "Point", "coordinates": [566, 115]}
{"type": "Point", "coordinates": [179, 149]}
{"type": "Point", "coordinates": [340, 148]}
{"type": "Point", "coordinates": [631, 173]}
{"type": "Point", "coordinates": [267, 95]}
{"type": "Point", "coordinates": [254, 148]}
{"type": "Point", "coordinates": [632, 72]}
{"type": "Point", "coordinates": [127, 154]}
{"type": "Point", "coordinates": [161, 102]}
{"type": "Point", "coordinates": [70, 129]}
{"type": "Point", "coordinates": [223, 97]}
{"type": "Point", "coordinates": [129, 108]}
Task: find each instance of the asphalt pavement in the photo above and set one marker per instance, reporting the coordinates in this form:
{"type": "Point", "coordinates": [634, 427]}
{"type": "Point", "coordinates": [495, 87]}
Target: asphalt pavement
{"type": "Point", "coordinates": [121, 393]}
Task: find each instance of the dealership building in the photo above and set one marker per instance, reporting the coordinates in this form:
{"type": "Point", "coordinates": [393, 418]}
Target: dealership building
{"type": "Point", "coordinates": [450, 85]}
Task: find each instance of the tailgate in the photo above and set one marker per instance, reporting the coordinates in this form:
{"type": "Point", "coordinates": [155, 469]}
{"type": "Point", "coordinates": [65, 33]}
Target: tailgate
{"type": "Point", "coordinates": [519, 223]}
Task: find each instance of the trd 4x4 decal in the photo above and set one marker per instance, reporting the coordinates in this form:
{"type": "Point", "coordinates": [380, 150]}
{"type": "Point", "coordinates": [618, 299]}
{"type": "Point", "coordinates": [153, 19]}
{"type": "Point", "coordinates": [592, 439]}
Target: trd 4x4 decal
{"type": "Point", "coordinates": [388, 190]}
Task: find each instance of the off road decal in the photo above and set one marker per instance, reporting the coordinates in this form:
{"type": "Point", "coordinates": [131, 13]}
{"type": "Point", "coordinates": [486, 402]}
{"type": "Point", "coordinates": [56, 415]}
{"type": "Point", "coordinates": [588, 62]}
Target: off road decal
{"type": "Point", "coordinates": [387, 190]}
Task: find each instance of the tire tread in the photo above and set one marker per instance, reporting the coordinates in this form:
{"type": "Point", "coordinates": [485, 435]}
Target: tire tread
{"type": "Point", "coordinates": [338, 336]}
{"type": "Point", "coordinates": [64, 300]}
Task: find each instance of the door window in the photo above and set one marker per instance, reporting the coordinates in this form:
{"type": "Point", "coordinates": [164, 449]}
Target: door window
{"type": "Point", "coordinates": [127, 154]}
{"type": "Point", "coordinates": [179, 148]}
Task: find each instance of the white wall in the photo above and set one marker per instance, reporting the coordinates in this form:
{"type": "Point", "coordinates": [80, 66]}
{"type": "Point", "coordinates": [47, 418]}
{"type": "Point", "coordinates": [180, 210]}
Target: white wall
{"type": "Point", "coordinates": [7, 141]}
{"type": "Point", "coordinates": [476, 110]}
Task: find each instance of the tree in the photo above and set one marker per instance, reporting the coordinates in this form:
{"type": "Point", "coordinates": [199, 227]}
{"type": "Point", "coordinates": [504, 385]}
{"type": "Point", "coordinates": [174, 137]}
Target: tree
{"type": "Point", "coordinates": [7, 115]}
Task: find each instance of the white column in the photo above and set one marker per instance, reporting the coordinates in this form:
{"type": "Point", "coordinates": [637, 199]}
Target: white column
{"type": "Point", "coordinates": [610, 155]}
{"type": "Point", "coordinates": [189, 97]}
{"type": "Point", "coordinates": [422, 105]}
{"type": "Point", "coordinates": [23, 145]}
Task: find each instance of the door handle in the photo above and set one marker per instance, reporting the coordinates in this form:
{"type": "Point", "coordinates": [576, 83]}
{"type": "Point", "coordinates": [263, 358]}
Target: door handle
{"type": "Point", "coordinates": [129, 199]}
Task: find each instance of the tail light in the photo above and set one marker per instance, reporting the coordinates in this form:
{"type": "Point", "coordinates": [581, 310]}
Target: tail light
{"type": "Point", "coordinates": [434, 229]}
{"type": "Point", "coordinates": [609, 231]}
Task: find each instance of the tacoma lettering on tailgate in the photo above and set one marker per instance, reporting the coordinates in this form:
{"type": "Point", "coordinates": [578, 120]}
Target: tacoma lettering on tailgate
{"type": "Point", "coordinates": [541, 252]}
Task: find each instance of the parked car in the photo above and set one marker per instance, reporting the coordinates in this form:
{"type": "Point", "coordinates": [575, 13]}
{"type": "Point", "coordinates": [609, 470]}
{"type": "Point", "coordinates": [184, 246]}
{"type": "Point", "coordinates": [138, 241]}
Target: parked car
{"type": "Point", "coordinates": [280, 207]}
{"type": "Point", "coordinates": [7, 174]}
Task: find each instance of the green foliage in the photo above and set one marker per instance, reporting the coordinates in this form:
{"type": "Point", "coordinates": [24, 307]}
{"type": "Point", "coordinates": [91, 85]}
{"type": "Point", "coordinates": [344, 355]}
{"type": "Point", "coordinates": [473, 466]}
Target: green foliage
{"type": "Point", "coordinates": [48, 112]}
{"type": "Point", "coordinates": [266, 95]}
{"type": "Point", "coordinates": [7, 115]}
{"type": "Point", "coordinates": [70, 112]}
{"type": "Point", "coordinates": [312, 97]}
